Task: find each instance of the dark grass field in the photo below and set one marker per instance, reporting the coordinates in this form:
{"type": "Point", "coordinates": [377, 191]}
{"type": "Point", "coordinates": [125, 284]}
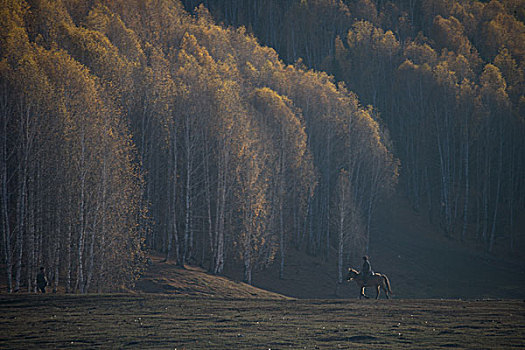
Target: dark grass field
{"type": "Point", "coordinates": [177, 322]}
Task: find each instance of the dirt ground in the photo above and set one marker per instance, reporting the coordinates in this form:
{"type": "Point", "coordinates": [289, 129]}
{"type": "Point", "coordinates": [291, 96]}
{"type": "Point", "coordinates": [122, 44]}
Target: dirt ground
{"type": "Point", "coordinates": [182, 322]}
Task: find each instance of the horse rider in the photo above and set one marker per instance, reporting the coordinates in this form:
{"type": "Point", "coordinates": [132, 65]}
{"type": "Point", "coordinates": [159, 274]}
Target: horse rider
{"type": "Point", "coordinates": [366, 271]}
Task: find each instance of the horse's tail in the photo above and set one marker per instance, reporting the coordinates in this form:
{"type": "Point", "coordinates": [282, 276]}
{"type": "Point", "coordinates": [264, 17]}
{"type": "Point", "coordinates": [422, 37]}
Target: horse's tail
{"type": "Point", "coordinates": [387, 283]}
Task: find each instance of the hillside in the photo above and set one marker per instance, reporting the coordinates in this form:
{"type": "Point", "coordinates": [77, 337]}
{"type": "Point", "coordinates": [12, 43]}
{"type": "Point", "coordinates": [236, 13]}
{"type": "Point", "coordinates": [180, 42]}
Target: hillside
{"type": "Point", "coordinates": [422, 262]}
{"type": "Point", "coordinates": [419, 263]}
{"type": "Point", "coordinates": [165, 277]}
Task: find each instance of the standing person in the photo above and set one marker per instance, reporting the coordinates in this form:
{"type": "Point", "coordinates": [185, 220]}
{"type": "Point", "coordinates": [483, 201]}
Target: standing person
{"type": "Point", "coordinates": [366, 271]}
{"type": "Point", "coordinates": [41, 281]}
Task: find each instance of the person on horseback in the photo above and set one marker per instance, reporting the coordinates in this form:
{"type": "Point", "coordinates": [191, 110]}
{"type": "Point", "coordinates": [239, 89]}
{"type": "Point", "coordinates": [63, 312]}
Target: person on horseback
{"type": "Point", "coordinates": [376, 280]}
{"type": "Point", "coordinates": [366, 271]}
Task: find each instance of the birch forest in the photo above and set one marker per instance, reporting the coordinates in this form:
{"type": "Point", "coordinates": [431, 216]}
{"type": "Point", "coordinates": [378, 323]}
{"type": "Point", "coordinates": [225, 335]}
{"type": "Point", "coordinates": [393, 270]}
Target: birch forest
{"type": "Point", "coordinates": [233, 133]}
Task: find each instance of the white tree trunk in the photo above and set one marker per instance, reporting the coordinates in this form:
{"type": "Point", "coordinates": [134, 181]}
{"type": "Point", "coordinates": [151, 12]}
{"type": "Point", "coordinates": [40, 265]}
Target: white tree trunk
{"type": "Point", "coordinates": [21, 210]}
{"type": "Point", "coordinates": [6, 225]}
{"type": "Point", "coordinates": [467, 183]}
{"type": "Point", "coordinates": [174, 233]}
{"type": "Point", "coordinates": [498, 188]}
{"type": "Point", "coordinates": [82, 208]}
{"type": "Point", "coordinates": [207, 186]}
{"type": "Point", "coordinates": [69, 261]}
{"type": "Point", "coordinates": [189, 165]}
{"type": "Point", "coordinates": [221, 211]}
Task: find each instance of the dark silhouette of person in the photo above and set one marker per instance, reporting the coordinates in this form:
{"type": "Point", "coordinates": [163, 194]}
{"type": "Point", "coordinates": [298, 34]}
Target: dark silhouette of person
{"type": "Point", "coordinates": [366, 271]}
{"type": "Point", "coordinates": [41, 281]}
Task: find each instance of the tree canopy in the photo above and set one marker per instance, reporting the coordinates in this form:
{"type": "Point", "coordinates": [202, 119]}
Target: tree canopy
{"type": "Point", "coordinates": [446, 76]}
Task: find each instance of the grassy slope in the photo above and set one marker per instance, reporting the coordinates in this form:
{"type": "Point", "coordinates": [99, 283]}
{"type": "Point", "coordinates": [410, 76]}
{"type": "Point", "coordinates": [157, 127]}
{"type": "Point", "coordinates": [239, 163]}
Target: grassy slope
{"type": "Point", "coordinates": [422, 263]}
{"type": "Point", "coordinates": [415, 255]}
{"type": "Point", "coordinates": [419, 261]}
{"type": "Point", "coordinates": [166, 277]}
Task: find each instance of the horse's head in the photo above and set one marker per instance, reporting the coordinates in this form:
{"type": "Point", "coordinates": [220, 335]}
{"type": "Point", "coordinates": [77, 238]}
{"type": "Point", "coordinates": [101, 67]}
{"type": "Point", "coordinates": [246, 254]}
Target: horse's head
{"type": "Point", "coordinates": [352, 274]}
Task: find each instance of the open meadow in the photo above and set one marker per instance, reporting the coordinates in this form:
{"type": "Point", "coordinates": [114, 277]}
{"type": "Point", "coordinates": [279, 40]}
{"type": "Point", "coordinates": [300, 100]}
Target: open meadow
{"type": "Point", "coordinates": [181, 322]}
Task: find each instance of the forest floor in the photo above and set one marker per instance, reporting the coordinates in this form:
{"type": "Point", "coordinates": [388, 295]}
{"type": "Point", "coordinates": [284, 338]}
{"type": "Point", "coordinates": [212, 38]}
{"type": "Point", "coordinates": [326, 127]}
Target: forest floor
{"type": "Point", "coordinates": [418, 259]}
{"type": "Point", "coordinates": [423, 263]}
{"type": "Point", "coordinates": [121, 321]}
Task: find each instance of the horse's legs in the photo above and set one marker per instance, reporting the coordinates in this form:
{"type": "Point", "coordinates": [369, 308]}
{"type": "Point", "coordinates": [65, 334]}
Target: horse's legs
{"type": "Point", "coordinates": [378, 290]}
{"type": "Point", "coordinates": [385, 289]}
{"type": "Point", "coordinates": [363, 293]}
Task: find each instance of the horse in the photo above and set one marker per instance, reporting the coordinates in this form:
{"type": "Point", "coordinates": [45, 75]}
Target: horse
{"type": "Point", "coordinates": [377, 280]}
